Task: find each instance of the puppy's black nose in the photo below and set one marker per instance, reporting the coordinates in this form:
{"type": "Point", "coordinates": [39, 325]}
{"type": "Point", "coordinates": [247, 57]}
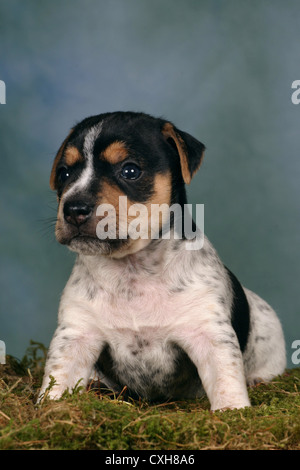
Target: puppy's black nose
{"type": "Point", "coordinates": [77, 212]}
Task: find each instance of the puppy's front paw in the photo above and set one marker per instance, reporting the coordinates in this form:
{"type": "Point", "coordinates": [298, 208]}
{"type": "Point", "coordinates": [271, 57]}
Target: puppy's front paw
{"type": "Point", "coordinates": [230, 404]}
{"type": "Point", "coordinates": [51, 389]}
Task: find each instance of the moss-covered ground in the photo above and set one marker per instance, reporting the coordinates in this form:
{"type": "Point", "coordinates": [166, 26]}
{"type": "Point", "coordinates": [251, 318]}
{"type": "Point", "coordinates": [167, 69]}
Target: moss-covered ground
{"type": "Point", "coordinates": [92, 421]}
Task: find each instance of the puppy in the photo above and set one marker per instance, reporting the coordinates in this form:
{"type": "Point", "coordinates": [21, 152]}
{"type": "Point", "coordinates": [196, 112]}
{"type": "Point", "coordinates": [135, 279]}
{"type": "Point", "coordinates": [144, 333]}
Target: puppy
{"type": "Point", "coordinates": [149, 313]}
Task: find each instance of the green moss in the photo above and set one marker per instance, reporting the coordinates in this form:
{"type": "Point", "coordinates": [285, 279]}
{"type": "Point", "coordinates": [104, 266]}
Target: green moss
{"type": "Point", "coordinates": [93, 421]}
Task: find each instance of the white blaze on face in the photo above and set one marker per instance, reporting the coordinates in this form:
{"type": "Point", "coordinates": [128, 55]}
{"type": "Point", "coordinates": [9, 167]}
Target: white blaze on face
{"type": "Point", "coordinates": [87, 173]}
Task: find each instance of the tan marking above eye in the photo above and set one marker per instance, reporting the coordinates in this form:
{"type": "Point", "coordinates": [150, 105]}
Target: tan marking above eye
{"type": "Point", "coordinates": [115, 152]}
{"type": "Point", "coordinates": [72, 156]}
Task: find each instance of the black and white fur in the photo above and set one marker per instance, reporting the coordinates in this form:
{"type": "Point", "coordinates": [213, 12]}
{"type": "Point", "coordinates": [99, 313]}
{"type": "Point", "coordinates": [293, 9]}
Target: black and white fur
{"type": "Point", "coordinates": [166, 322]}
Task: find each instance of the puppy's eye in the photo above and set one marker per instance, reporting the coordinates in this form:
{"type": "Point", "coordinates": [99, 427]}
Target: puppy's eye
{"type": "Point", "coordinates": [130, 171]}
{"type": "Point", "coordinates": [63, 174]}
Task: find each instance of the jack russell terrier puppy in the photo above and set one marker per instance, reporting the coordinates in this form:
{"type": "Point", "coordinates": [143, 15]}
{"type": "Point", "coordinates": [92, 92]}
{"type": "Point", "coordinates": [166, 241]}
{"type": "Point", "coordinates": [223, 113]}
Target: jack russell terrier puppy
{"type": "Point", "coordinates": [149, 313]}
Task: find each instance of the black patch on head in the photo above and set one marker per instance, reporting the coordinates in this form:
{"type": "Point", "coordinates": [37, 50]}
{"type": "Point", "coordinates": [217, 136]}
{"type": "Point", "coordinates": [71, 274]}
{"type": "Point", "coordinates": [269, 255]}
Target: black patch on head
{"type": "Point", "coordinates": [240, 312]}
{"type": "Point", "coordinates": [142, 137]}
{"type": "Point", "coordinates": [146, 146]}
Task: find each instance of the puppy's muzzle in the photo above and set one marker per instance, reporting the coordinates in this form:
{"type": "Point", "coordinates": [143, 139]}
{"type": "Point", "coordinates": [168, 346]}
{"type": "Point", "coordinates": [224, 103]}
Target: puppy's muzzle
{"type": "Point", "coordinates": [77, 212]}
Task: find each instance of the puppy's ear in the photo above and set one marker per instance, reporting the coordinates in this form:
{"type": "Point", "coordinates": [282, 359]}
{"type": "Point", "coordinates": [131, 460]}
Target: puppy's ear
{"type": "Point", "coordinates": [56, 160]}
{"type": "Point", "coordinates": [190, 150]}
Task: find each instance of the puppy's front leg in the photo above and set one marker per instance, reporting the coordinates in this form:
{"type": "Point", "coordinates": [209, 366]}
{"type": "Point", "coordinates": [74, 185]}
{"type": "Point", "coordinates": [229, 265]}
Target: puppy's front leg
{"type": "Point", "coordinates": [72, 354]}
{"type": "Point", "coordinates": [218, 359]}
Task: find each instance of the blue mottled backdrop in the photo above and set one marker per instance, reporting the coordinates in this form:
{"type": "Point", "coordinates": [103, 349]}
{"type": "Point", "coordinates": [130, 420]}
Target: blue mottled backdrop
{"type": "Point", "coordinates": [220, 70]}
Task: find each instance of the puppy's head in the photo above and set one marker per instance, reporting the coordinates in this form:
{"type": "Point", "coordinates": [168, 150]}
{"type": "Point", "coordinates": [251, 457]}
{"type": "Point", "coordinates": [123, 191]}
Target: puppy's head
{"type": "Point", "coordinates": [126, 157]}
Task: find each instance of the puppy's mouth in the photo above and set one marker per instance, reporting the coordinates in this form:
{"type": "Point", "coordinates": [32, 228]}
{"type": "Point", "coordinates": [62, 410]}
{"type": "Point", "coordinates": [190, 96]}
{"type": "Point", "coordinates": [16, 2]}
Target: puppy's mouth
{"type": "Point", "coordinates": [82, 230]}
{"type": "Point", "coordinates": [88, 245]}
{"type": "Point", "coordinates": [86, 242]}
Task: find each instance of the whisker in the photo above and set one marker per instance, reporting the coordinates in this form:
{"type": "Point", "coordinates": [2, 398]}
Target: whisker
{"type": "Point", "coordinates": [46, 226]}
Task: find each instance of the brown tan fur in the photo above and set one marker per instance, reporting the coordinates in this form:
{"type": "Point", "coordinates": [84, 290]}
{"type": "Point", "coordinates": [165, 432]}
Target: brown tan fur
{"type": "Point", "coordinates": [169, 132]}
{"type": "Point", "coordinates": [110, 194]}
{"type": "Point", "coordinates": [72, 156]}
{"type": "Point", "coordinates": [115, 152]}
